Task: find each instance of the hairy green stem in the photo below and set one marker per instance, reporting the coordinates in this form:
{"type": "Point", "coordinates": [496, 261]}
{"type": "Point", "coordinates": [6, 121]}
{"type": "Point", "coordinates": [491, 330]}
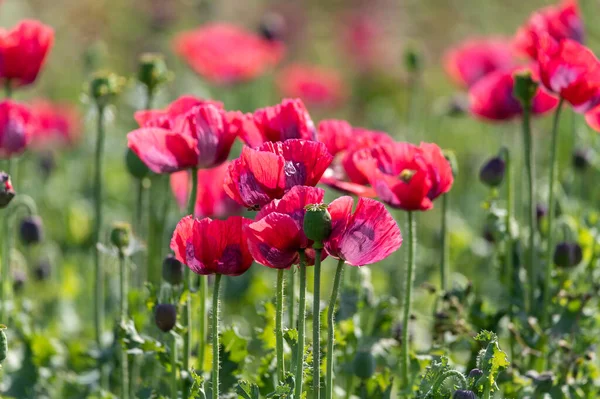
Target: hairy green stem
{"type": "Point", "coordinates": [291, 297]}
{"type": "Point", "coordinates": [174, 385]}
{"type": "Point", "coordinates": [202, 292]}
{"type": "Point", "coordinates": [187, 308]}
{"type": "Point", "coordinates": [301, 322]}
{"type": "Point", "coordinates": [410, 266]}
{"type": "Point", "coordinates": [124, 315]}
{"type": "Point", "coordinates": [279, 327]}
{"type": "Point", "coordinates": [331, 329]}
{"type": "Point", "coordinates": [215, 337]}
{"type": "Point", "coordinates": [509, 240]}
{"type": "Point", "coordinates": [440, 380]}
{"type": "Point", "coordinates": [6, 249]}
{"type": "Point", "coordinates": [444, 261]}
{"type": "Point", "coordinates": [317, 325]}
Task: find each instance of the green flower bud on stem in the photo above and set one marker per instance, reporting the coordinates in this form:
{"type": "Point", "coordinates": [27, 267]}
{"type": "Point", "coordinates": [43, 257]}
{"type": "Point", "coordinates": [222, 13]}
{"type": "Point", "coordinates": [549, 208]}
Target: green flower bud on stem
{"type": "Point", "coordinates": [120, 235]}
{"type": "Point", "coordinates": [152, 70]}
{"type": "Point", "coordinates": [105, 87]}
{"type": "Point", "coordinates": [317, 224]}
{"type": "Point", "coordinates": [412, 60]}
{"type": "Point", "coordinates": [525, 88]}
{"type": "Point", "coordinates": [364, 364]}
{"type": "Point", "coordinates": [7, 193]}
{"type": "Point", "coordinates": [135, 166]}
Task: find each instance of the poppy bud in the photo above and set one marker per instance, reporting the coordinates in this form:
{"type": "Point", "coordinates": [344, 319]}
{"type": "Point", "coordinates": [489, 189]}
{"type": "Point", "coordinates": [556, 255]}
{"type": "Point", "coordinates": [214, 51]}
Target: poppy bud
{"type": "Point", "coordinates": [272, 26]}
{"type": "Point", "coordinates": [31, 230]}
{"type": "Point", "coordinates": [317, 224]}
{"type": "Point", "coordinates": [120, 235]}
{"type": "Point", "coordinates": [412, 60]}
{"type": "Point", "coordinates": [525, 88]}
{"type": "Point", "coordinates": [165, 316]}
{"type": "Point", "coordinates": [19, 280]}
{"type": "Point", "coordinates": [172, 270]}
{"type": "Point", "coordinates": [475, 373]}
{"type": "Point", "coordinates": [540, 211]}
{"type": "Point", "coordinates": [581, 159]}
{"type": "Point", "coordinates": [464, 394]}
{"type": "Point", "coordinates": [7, 193]}
{"type": "Point", "coordinates": [105, 87]}
{"type": "Point", "coordinates": [492, 172]}
{"type": "Point", "coordinates": [42, 270]}
{"type": "Point", "coordinates": [364, 364]}
{"type": "Point", "coordinates": [152, 70]}
{"type": "Point", "coordinates": [135, 166]}
{"type": "Point", "coordinates": [567, 254]}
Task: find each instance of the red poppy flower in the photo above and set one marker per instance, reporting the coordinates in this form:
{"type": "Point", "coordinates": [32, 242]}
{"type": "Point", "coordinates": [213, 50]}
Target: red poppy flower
{"type": "Point", "coordinates": [366, 236]}
{"type": "Point", "coordinates": [570, 70]}
{"type": "Point", "coordinates": [406, 176]}
{"type": "Point", "coordinates": [212, 246]}
{"type": "Point", "coordinates": [492, 97]}
{"type": "Point", "coordinates": [267, 173]}
{"type": "Point", "coordinates": [593, 119]}
{"type": "Point", "coordinates": [211, 200]}
{"type": "Point", "coordinates": [17, 125]}
{"type": "Point", "coordinates": [277, 235]}
{"type": "Point", "coordinates": [245, 128]}
{"type": "Point", "coordinates": [316, 86]}
{"type": "Point", "coordinates": [173, 116]}
{"type": "Point", "coordinates": [560, 22]}
{"type": "Point", "coordinates": [362, 36]}
{"type": "Point", "coordinates": [344, 141]}
{"type": "Point", "coordinates": [23, 51]}
{"type": "Point", "coordinates": [472, 60]}
{"type": "Point", "coordinates": [223, 53]}
{"type": "Point", "coordinates": [56, 124]}
{"type": "Point", "coordinates": [204, 141]}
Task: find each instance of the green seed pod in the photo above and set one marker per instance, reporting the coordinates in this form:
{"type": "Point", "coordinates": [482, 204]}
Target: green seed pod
{"type": "Point", "coordinates": [525, 88]}
{"type": "Point", "coordinates": [317, 224]}
{"type": "Point", "coordinates": [135, 166]}
{"type": "Point", "coordinates": [364, 364]}
{"type": "Point", "coordinates": [412, 60]}
{"type": "Point", "coordinates": [120, 235]}
{"type": "Point", "coordinates": [105, 87]}
{"type": "Point", "coordinates": [152, 70]}
{"type": "Point", "coordinates": [3, 343]}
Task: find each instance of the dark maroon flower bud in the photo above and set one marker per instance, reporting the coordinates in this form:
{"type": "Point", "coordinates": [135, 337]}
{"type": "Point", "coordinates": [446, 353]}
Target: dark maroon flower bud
{"type": "Point", "coordinates": [31, 230]}
{"type": "Point", "coordinates": [567, 254]}
{"type": "Point", "coordinates": [19, 280]}
{"type": "Point", "coordinates": [581, 159]}
{"type": "Point", "coordinates": [7, 193]}
{"type": "Point", "coordinates": [464, 394]}
{"type": "Point", "coordinates": [42, 270]}
{"type": "Point", "coordinates": [364, 364]}
{"type": "Point", "coordinates": [475, 373]}
{"type": "Point", "coordinates": [165, 316]}
{"type": "Point", "coordinates": [540, 211]}
{"type": "Point", "coordinates": [492, 172]}
{"type": "Point", "coordinates": [272, 26]}
{"type": "Point", "coordinates": [172, 270]}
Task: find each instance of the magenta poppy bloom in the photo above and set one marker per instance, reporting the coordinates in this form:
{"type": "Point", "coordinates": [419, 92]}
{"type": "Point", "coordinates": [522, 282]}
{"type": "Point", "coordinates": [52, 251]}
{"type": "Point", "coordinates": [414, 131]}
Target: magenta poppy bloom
{"type": "Point", "coordinates": [473, 59]}
{"type": "Point", "coordinates": [17, 125]}
{"type": "Point", "coordinates": [57, 125]}
{"type": "Point", "coordinates": [267, 173]}
{"type": "Point", "coordinates": [316, 86]}
{"type": "Point", "coordinates": [492, 97]}
{"type": "Point", "coordinates": [211, 200]}
{"type": "Point", "coordinates": [204, 141]}
{"type": "Point", "coordinates": [560, 22]}
{"type": "Point", "coordinates": [365, 236]}
{"type": "Point", "coordinates": [173, 116]}
{"type": "Point", "coordinates": [23, 51]}
{"type": "Point", "coordinates": [277, 235]}
{"type": "Point", "coordinates": [363, 40]}
{"type": "Point", "coordinates": [225, 54]}
{"type": "Point", "coordinates": [212, 246]}
{"type": "Point", "coordinates": [288, 120]}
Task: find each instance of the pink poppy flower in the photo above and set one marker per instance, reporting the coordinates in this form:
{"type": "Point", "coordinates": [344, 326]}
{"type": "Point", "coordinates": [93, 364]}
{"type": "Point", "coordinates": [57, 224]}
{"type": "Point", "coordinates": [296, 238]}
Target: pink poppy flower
{"type": "Point", "coordinates": [288, 120]}
{"type": "Point", "coordinates": [17, 125]}
{"type": "Point", "coordinates": [57, 125]}
{"type": "Point", "coordinates": [316, 86]}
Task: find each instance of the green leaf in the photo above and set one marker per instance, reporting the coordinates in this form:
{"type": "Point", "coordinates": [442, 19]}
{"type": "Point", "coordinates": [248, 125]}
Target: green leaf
{"type": "Point", "coordinates": [247, 390]}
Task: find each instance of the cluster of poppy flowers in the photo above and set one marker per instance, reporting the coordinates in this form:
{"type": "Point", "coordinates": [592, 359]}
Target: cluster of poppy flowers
{"type": "Point", "coordinates": [23, 51]}
{"type": "Point", "coordinates": [549, 46]}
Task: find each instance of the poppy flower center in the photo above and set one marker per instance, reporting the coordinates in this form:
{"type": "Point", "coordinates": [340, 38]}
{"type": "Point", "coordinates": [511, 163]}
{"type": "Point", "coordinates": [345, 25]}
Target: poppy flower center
{"type": "Point", "coordinates": [406, 175]}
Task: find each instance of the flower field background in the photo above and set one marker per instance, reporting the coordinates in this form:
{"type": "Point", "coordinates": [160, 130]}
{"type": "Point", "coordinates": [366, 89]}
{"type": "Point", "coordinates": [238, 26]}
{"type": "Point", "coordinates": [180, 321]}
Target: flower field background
{"type": "Point", "coordinates": [449, 149]}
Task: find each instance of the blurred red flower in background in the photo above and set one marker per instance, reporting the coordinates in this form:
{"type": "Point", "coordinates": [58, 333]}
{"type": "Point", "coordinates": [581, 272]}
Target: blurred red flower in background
{"type": "Point", "coordinates": [361, 39]}
{"type": "Point", "coordinates": [212, 246]}
{"type": "Point", "coordinates": [23, 51]}
{"type": "Point", "coordinates": [56, 125]}
{"type": "Point", "coordinates": [570, 70]}
{"type": "Point", "coordinates": [211, 200]}
{"type": "Point", "coordinates": [277, 235]}
{"type": "Point", "coordinates": [366, 236]}
{"type": "Point", "coordinates": [473, 59]}
{"type": "Point", "coordinates": [492, 97]}
{"type": "Point", "coordinates": [267, 173]}
{"type": "Point", "coordinates": [317, 86]}
{"type": "Point", "coordinates": [173, 116]}
{"type": "Point", "coordinates": [560, 22]}
{"type": "Point", "coordinates": [224, 53]}
{"type": "Point", "coordinates": [17, 125]}
{"type": "Point", "coordinates": [406, 176]}
{"type": "Point", "coordinates": [288, 120]}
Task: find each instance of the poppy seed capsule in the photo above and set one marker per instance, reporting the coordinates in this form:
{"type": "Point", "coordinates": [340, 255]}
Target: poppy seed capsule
{"type": "Point", "coordinates": [165, 316]}
{"type": "Point", "coordinates": [172, 270]}
{"type": "Point", "coordinates": [364, 364]}
{"type": "Point", "coordinates": [317, 224]}
{"type": "Point", "coordinates": [152, 70]}
{"type": "Point", "coordinates": [7, 193]}
{"type": "Point", "coordinates": [567, 254]}
{"type": "Point", "coordinates": [475, 373]}
{"type": "Point", "coordinates": [120, 235]}
{"type": "Point", "coordinates": [525, 87]}
{"type": "Point", "coordinates": [492, 172]}
{"type": "Point", "coordinates": [105, 87]}
{"type": "Point", "coordinates": [581, 159]}
{"type": "Point", "coordinates": [31, 230]}
{"type": "Point", "coordinates": [464, 394]}
{"type": "Point", "coordinates": [135, 166]}
{"type": "Point", "coordinates": [272, 26]}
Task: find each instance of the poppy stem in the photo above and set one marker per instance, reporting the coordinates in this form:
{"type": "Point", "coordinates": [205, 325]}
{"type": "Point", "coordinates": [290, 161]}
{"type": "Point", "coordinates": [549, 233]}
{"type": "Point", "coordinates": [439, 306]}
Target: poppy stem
{"type": "Point", "coordinates": [509, 241]}
{"type": "Point", "coordinates": [279, 327]}
{"type": "Point", "coordinates": [124, 316]}
{"type": "Point", "coordinates": [291, 297]}
{"type": "Point", "coordinates": [301, 322]}
{"type": "Point", "coordinates": [202, 288]}
{"type": "Point", "coordinates": [187, 308]}
{"type": "Point", "coordinates": [174, 390]}
{"type": "Point", "coordinates": [551, 212]}
{"type": "Point", "coordinates": [412, 242]}
{"type": "Point", "coordinates": [215, 337]}
{"type": "Point", "coordinates": [331, 328]}
{"type": "Point", "coordinates": [531, 213]}
{"type": "Point", "coordinates": [98, 272]}
{"type": "Point", "coordinates": [317, 325]}
{"type": "Point", "coordinates": [6, 245]}
{"type": "Point", "coordinates": [444, 261]}
{"type": "Point", "coordinates": [7, 89]}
